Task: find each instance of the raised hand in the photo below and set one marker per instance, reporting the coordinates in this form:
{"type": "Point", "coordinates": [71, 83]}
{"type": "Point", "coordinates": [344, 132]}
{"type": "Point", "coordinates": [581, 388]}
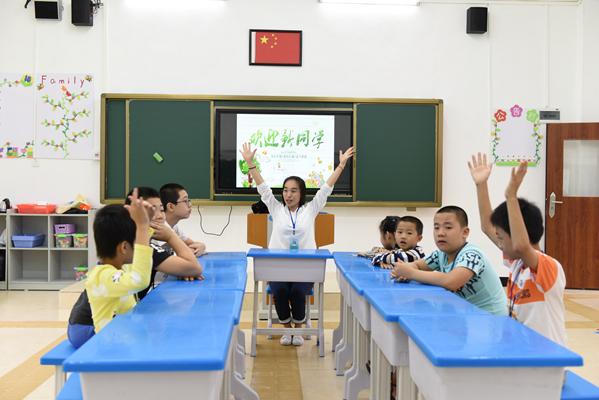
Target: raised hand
{"type": "Point", "coordinates": [141, 211]}
{"type": "Point", "coordinates": [247, 153]}
{"type": "Point", "coordinates": [479, 168]}
{"type": "Point", "coordinates": [344, 156]}
{"type": "Point", "coordinates": [516, 179]}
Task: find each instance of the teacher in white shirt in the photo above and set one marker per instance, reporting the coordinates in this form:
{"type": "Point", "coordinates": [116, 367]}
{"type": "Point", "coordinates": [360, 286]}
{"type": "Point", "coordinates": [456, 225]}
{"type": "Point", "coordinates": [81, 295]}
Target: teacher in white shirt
{"type": "Point", "coordinates": [293, 228]}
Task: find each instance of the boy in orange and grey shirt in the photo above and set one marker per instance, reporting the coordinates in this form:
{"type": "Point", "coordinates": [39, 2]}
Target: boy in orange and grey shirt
{"type": "Point", "coordinates": [537, 281]}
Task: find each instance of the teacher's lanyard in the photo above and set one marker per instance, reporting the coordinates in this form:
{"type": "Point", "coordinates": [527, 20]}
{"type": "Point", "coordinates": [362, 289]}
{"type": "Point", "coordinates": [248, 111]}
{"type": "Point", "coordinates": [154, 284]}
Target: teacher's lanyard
{"type": "Point", "coordinates": [293, 223]}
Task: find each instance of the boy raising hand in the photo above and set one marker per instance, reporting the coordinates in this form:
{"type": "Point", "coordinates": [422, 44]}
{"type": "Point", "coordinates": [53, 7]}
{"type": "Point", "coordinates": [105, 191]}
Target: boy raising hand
{"type": "Point", "coordinates": [536, 281]}
{"type": "Point", "coordinates": [122, 237]}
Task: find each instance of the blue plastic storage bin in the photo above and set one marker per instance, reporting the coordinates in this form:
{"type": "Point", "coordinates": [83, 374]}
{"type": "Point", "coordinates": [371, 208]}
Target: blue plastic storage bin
{"type": "Point", "coordinates": [28, 240]}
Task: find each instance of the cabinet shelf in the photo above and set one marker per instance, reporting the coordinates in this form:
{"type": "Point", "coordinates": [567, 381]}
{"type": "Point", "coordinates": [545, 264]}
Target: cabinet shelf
{"type": "Point", "coordinates": [46, 267]}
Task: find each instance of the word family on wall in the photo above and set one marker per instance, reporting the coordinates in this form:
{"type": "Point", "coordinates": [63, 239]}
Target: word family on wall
{"type": "Point", "coordinates": [46, 116]}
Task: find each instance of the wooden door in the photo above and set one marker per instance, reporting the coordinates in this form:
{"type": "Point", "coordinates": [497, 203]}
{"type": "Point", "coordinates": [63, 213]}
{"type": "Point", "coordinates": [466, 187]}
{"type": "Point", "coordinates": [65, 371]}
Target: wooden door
{"type": "Point", "coordinates": [572, 201]}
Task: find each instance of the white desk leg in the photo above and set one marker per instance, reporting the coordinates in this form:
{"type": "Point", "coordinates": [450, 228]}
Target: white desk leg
{"type": "Point", "coordinates": [406, 387]}
{"type": "Point", "coordinates": [241, 340]}
{"type": "Point", "coordinates": [354, 365]}
{"type": "Point", "coordinates": [383, 380]}
{"type": "Point", "coordinates": [374, 357]}
{"type": "Point", "coordinates": [238, 353]}
{"type": "Point", "coordinates": [344, 353]}
{"type": "Point", "coordinates": [59, 379]}
{"type": "Point", "coordinates": [254, 320]}
{"type": "Point", "coordinates": [338, 332]}
{"type": "Point", "coordinates": [241, 351]}
{"type": "Point", "coordinates": [360, 379]}
{"type": "Point", "coordinates": [225, 392]}
{"type": "Point", "coordinates": [240, 389]}
{"type": "Point", "coordinates": [321, 318]}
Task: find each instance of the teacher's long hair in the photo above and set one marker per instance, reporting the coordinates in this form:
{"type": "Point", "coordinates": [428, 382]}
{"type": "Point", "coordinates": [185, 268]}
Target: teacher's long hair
{"type": "Point", "coordinates": [302, 188]}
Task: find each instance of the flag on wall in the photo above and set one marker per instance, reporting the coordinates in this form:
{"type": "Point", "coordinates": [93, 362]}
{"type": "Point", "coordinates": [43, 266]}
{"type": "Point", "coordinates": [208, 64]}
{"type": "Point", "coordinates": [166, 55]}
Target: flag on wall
{"type": "Point", "coordinates": [268, 47]}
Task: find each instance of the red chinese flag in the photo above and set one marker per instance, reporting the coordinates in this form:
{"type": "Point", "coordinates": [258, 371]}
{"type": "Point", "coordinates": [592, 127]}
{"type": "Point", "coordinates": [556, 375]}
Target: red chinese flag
{"type": "Point", "coordinates": [276, 47]}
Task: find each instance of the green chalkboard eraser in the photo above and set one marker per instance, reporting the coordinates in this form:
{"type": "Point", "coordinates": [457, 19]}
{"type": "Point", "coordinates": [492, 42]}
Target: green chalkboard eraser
{"type": "Point", "coordinates": [157, 157]}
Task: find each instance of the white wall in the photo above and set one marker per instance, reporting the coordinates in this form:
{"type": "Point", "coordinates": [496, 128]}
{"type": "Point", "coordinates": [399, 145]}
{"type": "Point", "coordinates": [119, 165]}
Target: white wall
{"type": "Point", "coordinates": [534, 54]}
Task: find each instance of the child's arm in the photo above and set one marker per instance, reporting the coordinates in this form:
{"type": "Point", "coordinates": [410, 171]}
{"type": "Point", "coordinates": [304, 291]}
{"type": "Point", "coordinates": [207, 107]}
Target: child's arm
{"type": "Point", "coordinates": [248, 156]}
{"type": "Point", "coordinates": [122, 282]}
{"type": "Point", "coordinates": [343, 157]}
{"type": "Point", "coordinates": [480, 171]}
{"type": "Point", "coordinates": [198, 248]}
{"type": "Point", "coordinates": [184, 263]}
{"type": "Point", "coordinates": [418, 265]}
{"type": "Point", "coordinates": [387, 260]}
{"type": "Point", "coordinates": [453, 280]}
{"type": "Point", "coordinates": [518, 232]}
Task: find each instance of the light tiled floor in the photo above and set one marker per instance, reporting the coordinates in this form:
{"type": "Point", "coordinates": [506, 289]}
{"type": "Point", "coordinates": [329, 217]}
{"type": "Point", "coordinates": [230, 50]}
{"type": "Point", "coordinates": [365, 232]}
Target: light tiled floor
{"type": "Point", "coordinates": [30, 321]}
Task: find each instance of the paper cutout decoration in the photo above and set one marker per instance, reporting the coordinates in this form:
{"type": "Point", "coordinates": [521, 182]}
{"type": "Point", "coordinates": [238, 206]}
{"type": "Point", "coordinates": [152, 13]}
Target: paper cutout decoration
{"type": "Point", "coordinates": [516, 136]}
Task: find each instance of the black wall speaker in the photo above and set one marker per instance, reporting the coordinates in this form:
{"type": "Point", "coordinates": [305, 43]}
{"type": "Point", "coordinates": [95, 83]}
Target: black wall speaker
{"type": "Point", "coordinates": [48, 10]}
{"type": "Point", "coordinates": [82, 13]}
{"type": "Point", "coordinates": [476, 20]}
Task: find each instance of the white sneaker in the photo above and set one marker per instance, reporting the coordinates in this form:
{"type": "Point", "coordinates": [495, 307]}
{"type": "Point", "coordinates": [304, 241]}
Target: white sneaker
{"type": "Point", "coordinates": [285, 340]}
{"type": "Point", "coordinates": [297, 340]}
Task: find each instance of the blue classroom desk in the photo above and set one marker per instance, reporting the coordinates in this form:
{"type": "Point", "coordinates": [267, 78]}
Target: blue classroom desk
{"type": "Point", "coordinates": [225, 271]}
{"type": "Point", "coordinates": [180, 351]}
{"type": "Point", "coordinates": [387, 306]}
{"type": "Point", "coordinates": [356, 278]}
{"type": "Point", "coordinates": [180, 300]}
{"type": "Point", "coordinates": [276, 265]}
{"type": "Point", "coordinates": [56, 357]}
{"type": "Point", "coordinates": [215, 278]}
{"type": "Point", "coordinates": [224, 260]}
{"type": "Point", "coordinates": [483, 356]}
{"type": "Point", "coordinates": [360, 281]}
{"type": "Point", "coordinates": [179, 336]}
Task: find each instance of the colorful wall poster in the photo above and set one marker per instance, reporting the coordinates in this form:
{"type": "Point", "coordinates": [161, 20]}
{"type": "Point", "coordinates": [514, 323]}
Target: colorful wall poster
{"type": "Point", "coordinates": [17, 120]}
{"type": "Point", "coordinates": [64, 108]}
{"type": "Point", "coordinates": [516, 135]}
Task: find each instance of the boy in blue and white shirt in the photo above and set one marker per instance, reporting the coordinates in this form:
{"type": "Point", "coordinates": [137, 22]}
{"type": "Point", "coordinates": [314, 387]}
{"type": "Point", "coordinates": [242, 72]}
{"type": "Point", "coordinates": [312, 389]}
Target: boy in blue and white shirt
{"type": "Point", "coordinates": [457, 265]}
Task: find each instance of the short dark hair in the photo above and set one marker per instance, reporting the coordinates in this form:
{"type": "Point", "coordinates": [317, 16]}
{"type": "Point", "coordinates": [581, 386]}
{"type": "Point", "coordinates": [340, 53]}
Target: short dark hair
{"type": "Point", "coordinates": [169, 193]}
{"type": "Point", "coordinates": [457, 211]}
{"type": "Point", "coordinates": [389, 224]}
{"type": "Point", "coordinates": [144, 192]}
{"type": "Point", "coordinates": [302, 188]}
{"type": "Point", "coordinates": [533, 219]}
{"type": "Point", "coordinates": [112, 226]}
{"type": "Point", "coordinates": [413, 220]}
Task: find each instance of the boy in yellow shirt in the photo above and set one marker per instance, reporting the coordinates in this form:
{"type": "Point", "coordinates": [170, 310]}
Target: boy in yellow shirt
{"type": "Point", "coordinates": [122, 236]}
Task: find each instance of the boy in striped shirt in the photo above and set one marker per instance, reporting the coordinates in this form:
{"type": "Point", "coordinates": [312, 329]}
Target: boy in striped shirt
{"type": "Point", "coordinates": [407, 235]}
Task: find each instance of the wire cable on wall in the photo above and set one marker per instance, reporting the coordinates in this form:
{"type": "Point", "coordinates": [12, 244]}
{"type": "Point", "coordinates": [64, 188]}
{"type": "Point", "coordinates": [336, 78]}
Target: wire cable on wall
{"type": "Point", "coordinates": [223, 230]}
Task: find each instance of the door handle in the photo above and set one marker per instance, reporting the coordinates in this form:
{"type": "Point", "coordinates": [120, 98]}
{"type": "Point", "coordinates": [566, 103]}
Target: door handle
{"type": "Point", "coordinates": [552, 203]}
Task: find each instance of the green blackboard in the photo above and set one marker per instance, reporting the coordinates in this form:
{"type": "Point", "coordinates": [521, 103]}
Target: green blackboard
{"type": "Point", "coordinates": [398, 159]}
{"type": "Point", "coordinates": [113, 150]}
{"type": "Point", "coordinates": [179, 133]}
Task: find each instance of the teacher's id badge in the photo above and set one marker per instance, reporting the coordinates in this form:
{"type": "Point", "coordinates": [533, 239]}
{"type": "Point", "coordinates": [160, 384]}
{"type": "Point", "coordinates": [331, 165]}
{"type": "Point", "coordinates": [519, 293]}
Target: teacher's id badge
{"type": "Point", "coordinates": [293, 244]}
